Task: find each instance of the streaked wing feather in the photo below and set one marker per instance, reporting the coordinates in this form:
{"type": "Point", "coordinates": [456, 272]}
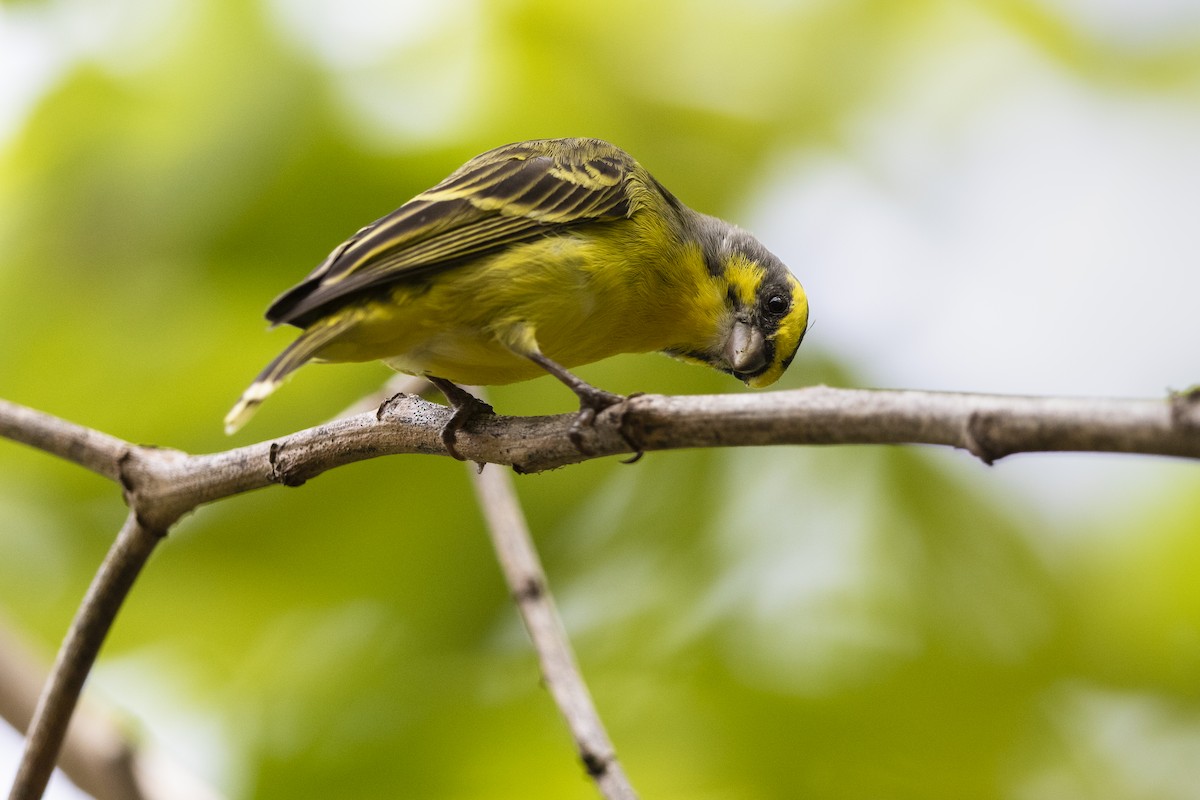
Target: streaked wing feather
{"type": "Point", "coordinates": [508, 195]}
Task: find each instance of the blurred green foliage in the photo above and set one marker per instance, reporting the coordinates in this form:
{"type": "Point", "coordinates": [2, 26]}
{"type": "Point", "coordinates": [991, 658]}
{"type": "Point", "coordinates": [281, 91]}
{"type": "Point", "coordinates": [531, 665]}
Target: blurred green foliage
{"type": "Point", "coordinates": [833, 623]}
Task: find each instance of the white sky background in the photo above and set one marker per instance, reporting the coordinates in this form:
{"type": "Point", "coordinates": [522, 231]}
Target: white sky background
{"type": "Point", "coordinates": [994, 224]}
{"type": "Point", "coordinates": [999, 225]}
{"type": "Point", "coordinates": [1043, 242]}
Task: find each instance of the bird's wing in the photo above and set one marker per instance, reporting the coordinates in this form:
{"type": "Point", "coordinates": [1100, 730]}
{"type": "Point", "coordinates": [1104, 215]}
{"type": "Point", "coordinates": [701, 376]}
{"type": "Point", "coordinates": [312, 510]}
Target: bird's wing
{"type": "Point", "coordinates": [504, 196]}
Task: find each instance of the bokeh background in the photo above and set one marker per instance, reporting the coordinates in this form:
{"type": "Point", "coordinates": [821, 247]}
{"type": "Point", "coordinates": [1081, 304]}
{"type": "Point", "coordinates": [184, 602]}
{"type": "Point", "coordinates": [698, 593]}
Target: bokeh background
{"type": "Point", "coordinates": [988, 196]}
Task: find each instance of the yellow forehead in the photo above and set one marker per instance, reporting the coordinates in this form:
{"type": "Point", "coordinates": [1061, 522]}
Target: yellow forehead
{"type": "Point", "coordinates": [744, 277]}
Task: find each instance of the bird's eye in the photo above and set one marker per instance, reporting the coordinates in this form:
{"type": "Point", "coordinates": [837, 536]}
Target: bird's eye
{"type": "Point", "coordinates": [777, 304]}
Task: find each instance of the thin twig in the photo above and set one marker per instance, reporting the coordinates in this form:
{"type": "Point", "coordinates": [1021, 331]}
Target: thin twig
{"type": "Point", "coordinates": [527, 582]}
{"type": "Point", "coordinates": [88, 630]}
{"type": "Point", "coordinates": [88, 448]}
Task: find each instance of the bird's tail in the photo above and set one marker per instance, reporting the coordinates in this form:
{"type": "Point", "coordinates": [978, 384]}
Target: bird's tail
{"type": "Point", "coordinates": [296, 355]}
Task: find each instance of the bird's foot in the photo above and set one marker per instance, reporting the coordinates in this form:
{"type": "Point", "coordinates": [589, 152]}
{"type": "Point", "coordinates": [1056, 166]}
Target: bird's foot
{"type": "Point", "coordinates": [467, 409]}
{"type": "Point", "coordinates": [591, 402]}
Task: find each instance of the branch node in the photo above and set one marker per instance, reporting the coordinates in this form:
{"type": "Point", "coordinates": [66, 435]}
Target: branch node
{"type": "Point", "coordinates": [144, 473]}
{"type": "Point", "coordinates": [123, 476]}
{"type": "Point", "coordinates": [1185, 407]}
{"type": "Point", "coordinates": [977, 439]}
{"type": "Point", "coordinates": [530, 591]}
{"type": "Point", "coordinates": [272, 456]}
{"type": "Point", "coordinates": [155, 529]}
{"type": "Point", "coordinates": [387, 405]}
{"type": "Point", "coordinates": [595, 764]}
{"type": "Point", "coordinates": [131, 496]}
{"type": "Point", "coordinates": [278, 474]}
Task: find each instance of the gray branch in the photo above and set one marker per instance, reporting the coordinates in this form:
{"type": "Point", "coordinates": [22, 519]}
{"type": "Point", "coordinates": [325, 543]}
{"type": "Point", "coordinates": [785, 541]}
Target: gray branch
{"type": "Point", "coordinates": [161, 485]}
{"type": "Point", "coordinates": [527, 582]}
{"type": "Point", "coordinates": [88, 630]}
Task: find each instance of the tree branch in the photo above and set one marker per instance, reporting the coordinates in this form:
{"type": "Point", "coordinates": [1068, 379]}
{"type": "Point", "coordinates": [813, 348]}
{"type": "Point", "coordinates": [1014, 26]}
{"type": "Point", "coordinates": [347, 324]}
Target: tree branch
{"type": "Point", "coordinates": [171, 483]}
{"type": "Point", "coordinates": [161, 485]}
{"type": "Point", "coordinates": [88, 630]}
{"type": "Point", "coordinates": [90, 449]}
{"type": "Point", "coordinates": [988, 426]}
{"type": "Point", "coordinates": [527, 582]}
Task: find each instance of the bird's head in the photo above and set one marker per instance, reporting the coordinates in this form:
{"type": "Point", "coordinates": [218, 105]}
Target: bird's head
{"type": "Point", "coordinates": [766, 310]}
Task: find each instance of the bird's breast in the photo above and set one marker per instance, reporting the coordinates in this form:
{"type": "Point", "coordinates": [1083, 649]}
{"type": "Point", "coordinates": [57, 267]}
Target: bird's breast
{"type": "Point", "coordinates": [578, 298]}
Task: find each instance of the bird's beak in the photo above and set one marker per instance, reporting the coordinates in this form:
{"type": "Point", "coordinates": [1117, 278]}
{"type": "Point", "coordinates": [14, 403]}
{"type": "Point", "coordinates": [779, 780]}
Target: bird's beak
{"type": "Point", "coordinates": [744, 349]}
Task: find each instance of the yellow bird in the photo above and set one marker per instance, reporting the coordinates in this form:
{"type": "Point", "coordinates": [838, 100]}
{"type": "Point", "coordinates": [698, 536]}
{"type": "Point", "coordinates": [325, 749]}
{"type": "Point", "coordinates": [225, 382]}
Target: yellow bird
{"type": "Point", "coordinates": [534, 258]}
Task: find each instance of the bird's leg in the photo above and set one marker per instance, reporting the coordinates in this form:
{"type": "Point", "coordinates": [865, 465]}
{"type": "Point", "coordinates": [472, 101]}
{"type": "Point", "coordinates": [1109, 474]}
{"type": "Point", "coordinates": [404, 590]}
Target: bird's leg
{"type": "Point", "coordinates": [591, 401]}
{"type": "Point", "coordinates": [467, 408]}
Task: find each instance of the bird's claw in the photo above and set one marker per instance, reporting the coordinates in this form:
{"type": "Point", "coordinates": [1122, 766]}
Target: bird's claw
{"type": "Point", "coordinates": [591, 402]}
{"type": "Point", "coordinates": [467, 409]}
{"type": "Point", "coordinates": [629, 440]}
{"type": "Point", "coordinates": [463, 416]}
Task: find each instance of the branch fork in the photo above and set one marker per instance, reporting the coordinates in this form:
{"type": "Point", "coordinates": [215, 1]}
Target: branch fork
{"type": "Point", "coordinates": [161, 485]}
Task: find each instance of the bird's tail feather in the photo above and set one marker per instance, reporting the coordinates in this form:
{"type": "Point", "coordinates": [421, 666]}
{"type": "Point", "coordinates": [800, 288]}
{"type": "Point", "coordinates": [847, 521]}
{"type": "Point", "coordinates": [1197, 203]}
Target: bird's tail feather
{"type": "Point", "coordinates": [294, 356]}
